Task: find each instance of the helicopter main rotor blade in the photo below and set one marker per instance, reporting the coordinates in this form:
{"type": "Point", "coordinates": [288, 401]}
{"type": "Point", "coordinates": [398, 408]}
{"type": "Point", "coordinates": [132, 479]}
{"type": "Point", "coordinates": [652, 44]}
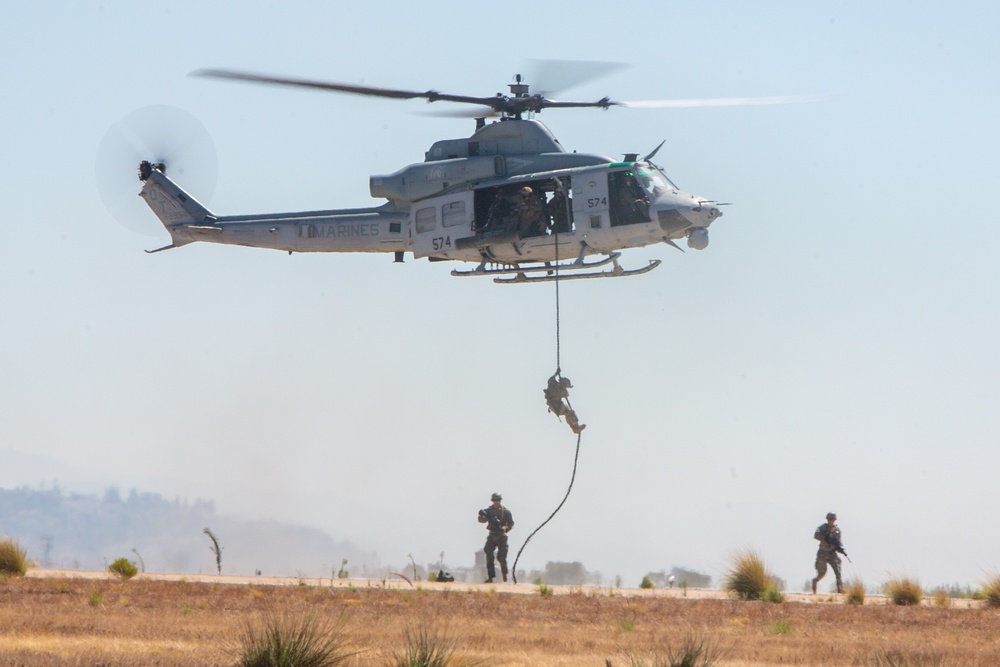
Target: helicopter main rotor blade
{"type": "Point", "coordinates": [498, 103]}
{"type": "Point", "coordinates": [549, 77]}
{"type": "Point", "coordinates": [720, 102]}
{"type": "Point", "coordinates": [372, 91]}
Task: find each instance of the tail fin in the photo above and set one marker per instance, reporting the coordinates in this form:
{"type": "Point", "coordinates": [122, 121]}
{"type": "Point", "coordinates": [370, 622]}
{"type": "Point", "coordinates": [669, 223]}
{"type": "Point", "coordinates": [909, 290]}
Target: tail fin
{"type": "Point", "coordinates": [175, 208]}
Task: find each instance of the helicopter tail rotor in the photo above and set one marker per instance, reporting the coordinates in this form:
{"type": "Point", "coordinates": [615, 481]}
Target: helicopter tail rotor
{"type": "Point", "coordinates": [163, 136]}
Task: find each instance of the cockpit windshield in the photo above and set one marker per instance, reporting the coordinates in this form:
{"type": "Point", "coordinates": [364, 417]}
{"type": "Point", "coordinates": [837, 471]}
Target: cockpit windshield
{"type": "Point", "coordinates": [653, 180]}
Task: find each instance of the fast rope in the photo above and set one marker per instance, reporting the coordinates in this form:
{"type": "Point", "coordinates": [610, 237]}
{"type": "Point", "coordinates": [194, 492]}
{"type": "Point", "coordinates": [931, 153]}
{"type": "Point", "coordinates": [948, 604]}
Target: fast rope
{"type": "Point", "coordinates": [557, 397]}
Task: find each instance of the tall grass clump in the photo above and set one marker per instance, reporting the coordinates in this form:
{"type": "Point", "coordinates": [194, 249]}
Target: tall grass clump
{"type": "Point", "coordinates": [747, 577]}
{"type": "Point", "coordinates": [854, 592]}
{"type": "Point", "coordinates": [695, 650]}
{"type": "Point", "coordinates": [429, 647]}
{"type": "Point", "coordinates": [904, 591]}
{"type": "Point", "coordinates": [287, 641]}
{"type": "Point", "coordinates": [896, 657]}
{"type": "Point", "coordinates": [123, 568]}
{"type": "Point", "coordinates": [991, 590]}
{"type": "Point", "coordinates": [13, 559]}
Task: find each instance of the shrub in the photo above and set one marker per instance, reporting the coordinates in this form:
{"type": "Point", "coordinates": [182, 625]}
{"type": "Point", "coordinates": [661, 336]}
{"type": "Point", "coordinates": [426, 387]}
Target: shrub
{"type": "Point", "coordinates": [772, 594]}
{"type": "Point", "coordinates": [904, 591]}
{"type": "Point", "coordinates": [429, 647]}
{"type": "Point", "coordinates": [896, 657]}
{"type": "Point", "coordinates": [747, 577]}
{"type": "Point", "coordinates": [13, 559]}
{"type": "Point", "coordinates": [123, 568]}
{"type": "Point", "coordinates": [940, 598]}
{"type": "Point", "coordinates": [990, 591]}
{"type": "Point", "coordinates": [855, 592]}
{"type": "Point", "coordinates": [694, 651]}
{"type": "Point", "coordinates": [286, 641]}
{"type": "Point", "coordinates": [646, 583]}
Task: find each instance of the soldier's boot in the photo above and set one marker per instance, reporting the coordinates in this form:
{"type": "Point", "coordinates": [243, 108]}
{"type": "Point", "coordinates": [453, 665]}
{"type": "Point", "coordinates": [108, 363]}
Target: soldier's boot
{"type": "Point", "coordinates": [504, 576]}
{"type": "Point", "coordinates": [840, 588]}
{"type": "Point", "coordinates": [814, 586]}
{"type": "Point", "coordinates": [489, 580]}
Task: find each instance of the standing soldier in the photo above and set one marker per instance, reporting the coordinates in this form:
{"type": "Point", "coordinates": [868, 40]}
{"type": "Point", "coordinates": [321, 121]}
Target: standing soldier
{"type": "Point", "coordinates": [828, 535]}
{"type": "Point", "coordinates": [558, 209]}
{"type": "Point", "coordinates": [529, 214]}
{"type": "Point", "coordinates": [499, 521]}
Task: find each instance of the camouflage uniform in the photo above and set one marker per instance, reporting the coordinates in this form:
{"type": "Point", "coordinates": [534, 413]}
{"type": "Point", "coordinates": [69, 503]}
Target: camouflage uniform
{"type": "Point", "coordinates": [499, 521]}
{"type": "Point", "coordinates": [827, 554]}
{"type": "Point", "coordinates": [557, 396]}
{"type": "Point", "coordinates": [529, 214]}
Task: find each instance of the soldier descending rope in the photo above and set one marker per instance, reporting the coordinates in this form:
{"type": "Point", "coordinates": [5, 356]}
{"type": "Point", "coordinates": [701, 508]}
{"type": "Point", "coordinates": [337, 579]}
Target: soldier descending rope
{"type": "Point", "coordinates": [557, 396]}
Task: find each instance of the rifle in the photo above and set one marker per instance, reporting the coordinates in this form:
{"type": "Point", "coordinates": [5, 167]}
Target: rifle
{"type": "Point", "coordinates": [837, 546]}
{"type": "Point", "coordinates": [491, 521]}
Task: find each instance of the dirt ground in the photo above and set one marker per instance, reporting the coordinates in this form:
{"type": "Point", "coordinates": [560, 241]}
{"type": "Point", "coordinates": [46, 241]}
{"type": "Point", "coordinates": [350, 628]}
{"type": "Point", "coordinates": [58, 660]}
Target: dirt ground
{"type": "Point", "coordinates": [56, 617]}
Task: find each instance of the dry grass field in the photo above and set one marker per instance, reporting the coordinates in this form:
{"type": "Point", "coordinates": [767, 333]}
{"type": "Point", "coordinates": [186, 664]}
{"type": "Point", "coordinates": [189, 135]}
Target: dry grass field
{"type": "Point", "coordinates": [96, 620]}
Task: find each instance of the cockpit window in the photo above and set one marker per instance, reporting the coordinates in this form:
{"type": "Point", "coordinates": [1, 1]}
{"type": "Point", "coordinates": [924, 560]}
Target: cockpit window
{"type": "Point", "coordinates": [653, 180]}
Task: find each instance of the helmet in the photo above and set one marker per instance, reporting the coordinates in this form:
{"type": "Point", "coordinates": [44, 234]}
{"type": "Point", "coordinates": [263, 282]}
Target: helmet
{"type": "Point", "coordinates": [831, 515]}
{"type": "Point", "coordinates": [496, 496]}
{"type": "Point", "coordinates": [525, 190]}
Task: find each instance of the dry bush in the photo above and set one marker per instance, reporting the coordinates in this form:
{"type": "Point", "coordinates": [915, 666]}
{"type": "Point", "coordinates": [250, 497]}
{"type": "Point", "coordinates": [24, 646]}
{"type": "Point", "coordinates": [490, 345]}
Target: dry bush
{"type": "Point", "coordinates": [908, 657]}
{"type": "Point", "coordinates": [283, 640]}
{"type": "Point", "coordinates": [855, 592]}
{"type": "Point", "coordinates": [13, 559]}
{"type": "Point", "coordinates": [428, 646]}
{"type": "Point", "coordinates": [747, 577]}
{"type": "Point", "coordinates": [941, 598]}
{"type": "Point", "coordinates": [904, 591]}
{"type": "Point", "coordinates": [991, 590]}
{"type": "Point", "coordinates": [695, 650]}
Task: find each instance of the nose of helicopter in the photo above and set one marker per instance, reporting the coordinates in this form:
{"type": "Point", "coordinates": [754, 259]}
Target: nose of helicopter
{"type": "Point", "coordinates": [689, 219]}
{"type": "Point", "coordinates": [703, 214]}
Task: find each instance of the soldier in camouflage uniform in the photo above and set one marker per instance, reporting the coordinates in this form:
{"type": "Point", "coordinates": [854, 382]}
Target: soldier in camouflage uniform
{"type": "Point", "coordinates": [828, 535]}
{"type": "Point", "coordinates": [529, 214]}
{"type": "Point", "coordinates": [499, 521]}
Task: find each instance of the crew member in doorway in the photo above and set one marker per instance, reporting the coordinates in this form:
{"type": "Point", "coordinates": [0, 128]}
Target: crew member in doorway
{"type": "Point", "coordinates": [558, 209]}
{"type": "Point", "coordinates": [529, 214]}
{"type": "Point", "coordinates": [633, 204]}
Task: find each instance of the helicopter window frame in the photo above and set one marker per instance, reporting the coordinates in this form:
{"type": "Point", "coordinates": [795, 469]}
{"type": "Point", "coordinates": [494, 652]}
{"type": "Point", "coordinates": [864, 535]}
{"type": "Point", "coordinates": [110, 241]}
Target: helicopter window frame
{"type": "Point", "coordinates": [425, 219]}
{"type": "Point", "coordinates": [653, 180]}
{"type": "Point", "coordinates": [453, 214]}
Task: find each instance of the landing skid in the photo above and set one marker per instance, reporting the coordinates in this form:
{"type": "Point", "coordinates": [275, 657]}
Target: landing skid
{"type": "Point", "coordinates": [578, 265]}
{"type": "Point", "coordinates": [616, 272]}
{"type": "Point", "coordinates": [567, 271]}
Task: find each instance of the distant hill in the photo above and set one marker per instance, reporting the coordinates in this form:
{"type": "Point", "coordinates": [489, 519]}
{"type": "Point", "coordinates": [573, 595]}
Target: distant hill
{"type": "Point", "coordinates": [77, 531]}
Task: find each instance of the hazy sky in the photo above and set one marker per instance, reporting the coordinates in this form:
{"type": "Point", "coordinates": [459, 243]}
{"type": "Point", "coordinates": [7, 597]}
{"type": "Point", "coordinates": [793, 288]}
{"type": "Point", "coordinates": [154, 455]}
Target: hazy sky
{"type": "Point", "coordinates": [835, 348]}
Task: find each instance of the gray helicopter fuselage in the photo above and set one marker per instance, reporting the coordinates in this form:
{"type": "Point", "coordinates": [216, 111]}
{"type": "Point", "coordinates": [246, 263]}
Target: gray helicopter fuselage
{"type": "Point", "coordinates": [461, 204]}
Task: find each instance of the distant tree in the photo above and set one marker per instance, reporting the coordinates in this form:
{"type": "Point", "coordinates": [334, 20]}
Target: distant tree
{"type": "Point", "coordinates": [566, 574]}
{"type": "Point", "coordinates": [123, 568]}
{"type": "Point", "coordinates": [690, 578]}
{"type": "Point", "coordinates": [216, 549]}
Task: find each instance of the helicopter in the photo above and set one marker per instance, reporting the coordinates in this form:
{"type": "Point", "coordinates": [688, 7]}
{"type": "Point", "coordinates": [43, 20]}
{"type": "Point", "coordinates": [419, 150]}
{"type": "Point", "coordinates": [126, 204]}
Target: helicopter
{"type": "Point", "coordinates": [508, 198]}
